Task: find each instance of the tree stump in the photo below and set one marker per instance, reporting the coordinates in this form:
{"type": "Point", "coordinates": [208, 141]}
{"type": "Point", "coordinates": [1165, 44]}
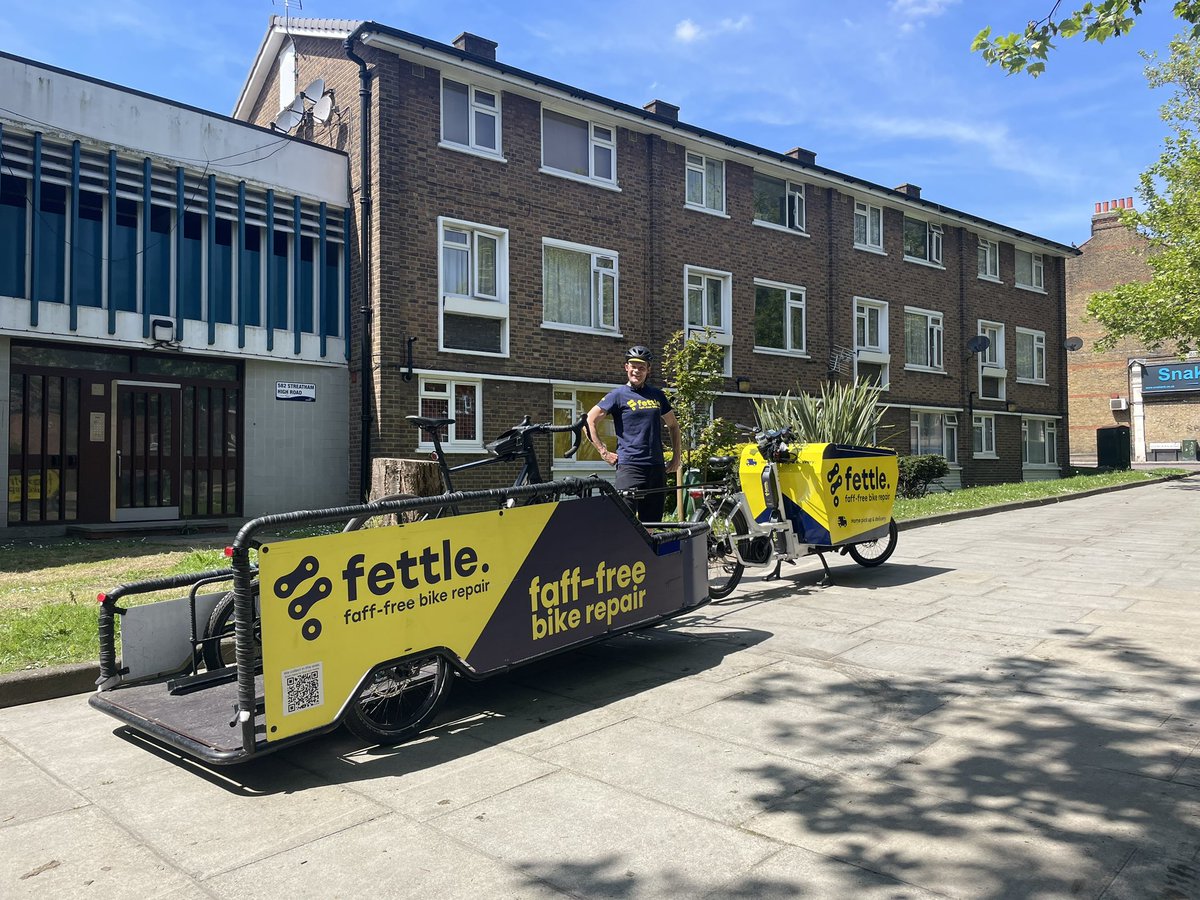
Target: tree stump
{"type": "Point", "coordinates": [419, 477]}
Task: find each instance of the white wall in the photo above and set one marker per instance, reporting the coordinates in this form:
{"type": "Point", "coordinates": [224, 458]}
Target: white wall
{"type": "Point", "coordinates": [297, 454]}
{"type": "Point", "coordinates": [53, 101]}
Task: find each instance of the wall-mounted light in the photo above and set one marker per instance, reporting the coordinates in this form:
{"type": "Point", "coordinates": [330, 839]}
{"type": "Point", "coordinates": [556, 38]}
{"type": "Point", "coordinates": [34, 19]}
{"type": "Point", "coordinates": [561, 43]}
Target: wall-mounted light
{"type": "Point", "coordinates": [162, 331]}
{"type": "Point", "coordinates": [1012, 405]}
{"type": "Point", "coordinates": [743, 384]}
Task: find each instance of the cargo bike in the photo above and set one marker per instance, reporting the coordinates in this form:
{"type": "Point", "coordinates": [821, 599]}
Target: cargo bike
{"type": "Point", "coordinates": [367, 627]}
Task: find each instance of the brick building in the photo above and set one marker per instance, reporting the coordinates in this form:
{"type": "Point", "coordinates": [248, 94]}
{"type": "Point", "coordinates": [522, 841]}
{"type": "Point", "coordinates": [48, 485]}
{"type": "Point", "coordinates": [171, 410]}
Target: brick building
{"type": "Point", "coordinates": [524, 232]}
{"type": "Point", "coordinates": [170, 280]}
{"type": "Point", "coordinates": [1156, 395]}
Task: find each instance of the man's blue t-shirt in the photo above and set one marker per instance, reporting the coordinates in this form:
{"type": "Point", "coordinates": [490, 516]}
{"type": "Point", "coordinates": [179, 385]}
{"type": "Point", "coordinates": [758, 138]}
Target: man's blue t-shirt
{"type": "Point", "coordinates": [637, 416]}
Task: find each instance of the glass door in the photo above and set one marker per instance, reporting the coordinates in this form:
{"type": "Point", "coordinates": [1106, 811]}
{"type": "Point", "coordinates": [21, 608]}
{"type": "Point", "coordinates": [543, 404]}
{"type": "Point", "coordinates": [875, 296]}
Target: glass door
{"type": "Point", "coordinates": [146, 457]}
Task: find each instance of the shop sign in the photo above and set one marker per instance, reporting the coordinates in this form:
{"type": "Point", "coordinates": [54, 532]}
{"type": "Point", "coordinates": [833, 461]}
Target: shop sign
{"type": "Point", "coordinates": [1168, 377]}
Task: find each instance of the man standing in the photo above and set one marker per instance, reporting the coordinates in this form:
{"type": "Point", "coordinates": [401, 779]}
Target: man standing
{"type": "Point", "coordinates": [639, 411]}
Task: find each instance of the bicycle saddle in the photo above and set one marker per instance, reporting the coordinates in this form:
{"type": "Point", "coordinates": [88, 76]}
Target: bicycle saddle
{"type": "Point", "coordinates": [720, 462]}
{"type": "Point", "coordinates": [423, 422]}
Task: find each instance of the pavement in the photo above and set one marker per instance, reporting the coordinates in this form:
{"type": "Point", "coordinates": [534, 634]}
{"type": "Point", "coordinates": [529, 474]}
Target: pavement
{"type": "Point", "coordinates": [1007, 708]}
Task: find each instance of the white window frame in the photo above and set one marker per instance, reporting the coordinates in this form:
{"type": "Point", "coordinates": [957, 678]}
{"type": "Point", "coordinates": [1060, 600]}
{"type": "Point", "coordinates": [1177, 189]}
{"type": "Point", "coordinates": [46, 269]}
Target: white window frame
{"type": "Point", "coordinates": [573, 409]}
{"type": "Point", "coordinates": [1037, 268]}
{"type": "Point", "coordinates": [991, 360]}
{"type": "Point", "coordinates": [473, 106]}
{"type": "Point", "coordinates": [796, 207]}
{"type": "Point", "coordinates": [475, 303]}
{"type": "Point", "coordinates": [1050, 427]}
{"type": "Point", "coordinates": [949, 433]}
{"type": "Point", "coordinates": [984, 425]}
{"type": "Point", "coordinates": [795, 303]}
{"type": "Point", "coordinates": [935, 330]}
{"type": "Point", "coordinates": [451, 444]}
{"type": "Point", "coordinates": [697, 163]}
{"type": "Point", "coordinates": [990, 268]}
{"type": "Point", "coordinates": [876, 354]}
{"type": "Point", "coordinates": [722, 335]}
{"type": "Point", "coordinates": [1037, 354]}
{"type": "Point", "coordinates": [933, 243]}
{"type": "Point", "coordinates": [594, 141]}
{"type": "Point", "coordinates": [864, 210]}
{"type": "Point", "coordinates": [596, 256]}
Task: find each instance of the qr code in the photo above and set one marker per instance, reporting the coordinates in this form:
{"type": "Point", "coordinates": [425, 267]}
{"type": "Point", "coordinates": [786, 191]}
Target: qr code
{"type": "Point", "coordinates": [303, 688]}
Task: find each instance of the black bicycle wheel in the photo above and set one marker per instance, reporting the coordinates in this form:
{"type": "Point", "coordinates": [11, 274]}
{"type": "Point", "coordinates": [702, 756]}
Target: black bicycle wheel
{"type": "Point", "coordinates": [724, 567]}
{"type": "Point", "coordinates": [875, 553]}
{"type": "Point", "coordinates": [218, 634]}
{"type": "Point", "coordinates": [398, 699]}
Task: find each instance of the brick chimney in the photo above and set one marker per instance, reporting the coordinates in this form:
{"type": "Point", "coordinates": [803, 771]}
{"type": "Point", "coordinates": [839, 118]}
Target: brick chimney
{"type": "Point", "coordinates": [802, 156]}
{"type": "Point", "coordinates": [910, 190]}
{"type": "Point", "coordinates": [663, 108]}
{"type": "Point", "coordinates": [1108, 213]}
{"type": "Point", "coordinates": [476, 45]}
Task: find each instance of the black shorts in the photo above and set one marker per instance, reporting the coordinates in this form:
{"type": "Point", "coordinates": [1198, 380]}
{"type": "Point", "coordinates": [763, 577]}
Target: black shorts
{"type": "Point", "coordinates": [649, 507]}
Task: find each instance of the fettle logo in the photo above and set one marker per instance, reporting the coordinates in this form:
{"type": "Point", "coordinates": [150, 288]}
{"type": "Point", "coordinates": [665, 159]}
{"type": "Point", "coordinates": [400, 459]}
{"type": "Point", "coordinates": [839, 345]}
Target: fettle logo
{"type": "Point", "coordinates": [641, 404]}
{"type": "Point", "coordinates": [298, 608]}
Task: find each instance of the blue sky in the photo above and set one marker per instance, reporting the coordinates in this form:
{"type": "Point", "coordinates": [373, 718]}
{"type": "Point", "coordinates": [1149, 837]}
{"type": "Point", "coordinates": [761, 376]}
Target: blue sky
{"type": "Point", "coordinates": [886, 90]}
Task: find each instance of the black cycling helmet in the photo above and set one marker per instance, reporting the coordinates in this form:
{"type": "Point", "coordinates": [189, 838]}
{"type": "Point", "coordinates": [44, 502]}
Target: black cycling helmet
{"type": "Point", "coordinates": [638, 354]}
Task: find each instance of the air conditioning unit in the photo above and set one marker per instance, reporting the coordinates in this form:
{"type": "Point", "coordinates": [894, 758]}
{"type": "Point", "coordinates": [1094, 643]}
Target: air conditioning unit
{"type": "Point", "coordinates": [1118, 404]}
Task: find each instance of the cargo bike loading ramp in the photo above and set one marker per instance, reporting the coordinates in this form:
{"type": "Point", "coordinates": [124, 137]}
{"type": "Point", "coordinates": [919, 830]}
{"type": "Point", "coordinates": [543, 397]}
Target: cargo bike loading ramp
{"type": "Point", "coordinates": [542, 569]}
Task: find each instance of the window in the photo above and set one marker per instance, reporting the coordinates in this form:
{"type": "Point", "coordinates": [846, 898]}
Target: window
{"type": "Point", "coordinates": [705, 182]}
{"type": "Point", "coordinates": [470, 117]}
{"type": "Point", "coordinates": [1029, 270]}
{"type": "Point", "coordinates": [779, 317]}
{"type": "Point", "coordinates": [778, 202]}
{"type": "Point", "coordinates": [569, 404]}
{"type": "Point", "coordinates": [983, 436]}
{"type": "Point", "coordinates": [868, 227]}
{"type": "Point", "coordinates": [473, 287]}
{"type": "Point", "coordinates": [992, 372]}
{"type": "Point", "coordinates": [922, 241]}
{"type": "Point", "coordinates": [1039, 442]}
{"type": "Point", "coordinates": [578, 147]}
{"type": "Point", "coordinates": [13, 235]}
{"type": "Point", "coordinates": [989, 260]}
{"type": "Point", "coordinates": [934, 433]}
{"type": "Point", "coordinates": [871, 358]}
{"type": "Point", "coordinates": [436, 398]}
{"type": "Point", "coordinates": [287, 75]}
{"type": "Point", "coordinates": [922, 339]}
{"type": "Point", "coordinates": [707, 305]}
{"type": "Point", "coordinates": [1031, 355]}
{"type": "Point", "coordinates": [579, 286]}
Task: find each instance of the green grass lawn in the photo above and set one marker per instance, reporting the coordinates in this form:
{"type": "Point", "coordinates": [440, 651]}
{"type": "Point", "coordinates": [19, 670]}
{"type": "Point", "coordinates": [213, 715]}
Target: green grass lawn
{"type": "Point", "coordinates": [48, 588]}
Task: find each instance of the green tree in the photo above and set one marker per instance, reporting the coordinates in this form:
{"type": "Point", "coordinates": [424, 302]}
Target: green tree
{"type": "Point", "coordinates": [1165, 311]}
{"type": "Point", "coordinates": [1026, 51]}
{"type": "Point", "coordinates": [693, 369]}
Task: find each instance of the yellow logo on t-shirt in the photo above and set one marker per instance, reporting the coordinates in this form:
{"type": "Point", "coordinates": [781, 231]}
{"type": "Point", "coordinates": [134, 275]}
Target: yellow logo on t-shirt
{"type": "Point", "coordinates": [641, 404]}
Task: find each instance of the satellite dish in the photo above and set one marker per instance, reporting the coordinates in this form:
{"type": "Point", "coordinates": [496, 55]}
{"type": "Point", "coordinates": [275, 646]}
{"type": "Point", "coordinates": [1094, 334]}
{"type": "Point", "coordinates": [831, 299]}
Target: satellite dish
{"type": "Point", "coordinates": [290, 116]}
{"type": "Point", "coordinates": [314, 91]}
{"type": "Point", "coordinates": [979, 343]}
{"type": "Point", "coordinates": [323, 108]}
{"type": "Point", "coordinates": [1072, 344]}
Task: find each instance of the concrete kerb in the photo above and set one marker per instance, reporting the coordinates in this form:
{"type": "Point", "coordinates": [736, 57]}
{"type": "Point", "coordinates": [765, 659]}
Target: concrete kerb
{"type": "Point", "coordinates": [32, 685]}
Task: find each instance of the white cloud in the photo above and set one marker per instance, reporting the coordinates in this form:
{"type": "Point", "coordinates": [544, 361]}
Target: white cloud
{"type": "Point", "coordinates": [688, 32]}
{"type": "Point", "coordinates": [921, 9]}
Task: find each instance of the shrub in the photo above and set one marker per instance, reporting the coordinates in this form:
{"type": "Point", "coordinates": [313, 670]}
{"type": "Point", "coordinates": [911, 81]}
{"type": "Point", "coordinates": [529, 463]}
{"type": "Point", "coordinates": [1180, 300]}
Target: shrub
{"type": "Point", "coordinates": [918, 472]}
{"type": "Point", "coordinates": [845, 413]}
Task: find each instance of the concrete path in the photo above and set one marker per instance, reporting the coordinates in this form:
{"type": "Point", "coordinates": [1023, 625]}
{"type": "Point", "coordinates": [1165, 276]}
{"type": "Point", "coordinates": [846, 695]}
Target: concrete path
{"type": "Point", "coordinates": [1008, 708]}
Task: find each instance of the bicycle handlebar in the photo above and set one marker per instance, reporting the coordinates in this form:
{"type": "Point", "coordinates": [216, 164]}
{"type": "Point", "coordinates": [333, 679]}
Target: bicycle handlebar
{"type": "Point", "coordinates": [525, 427]}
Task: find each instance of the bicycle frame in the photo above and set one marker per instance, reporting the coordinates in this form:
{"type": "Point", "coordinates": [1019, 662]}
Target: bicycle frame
{"type": "Point", "coordinates": [778, 532]}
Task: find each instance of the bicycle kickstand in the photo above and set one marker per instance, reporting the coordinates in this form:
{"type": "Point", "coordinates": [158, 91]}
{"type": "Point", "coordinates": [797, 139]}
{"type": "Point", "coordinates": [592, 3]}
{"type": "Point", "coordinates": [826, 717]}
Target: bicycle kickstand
{"type": "Point", "coordinates": [827, 578]}
{"type": "Point", "coordinates": [775, 573]}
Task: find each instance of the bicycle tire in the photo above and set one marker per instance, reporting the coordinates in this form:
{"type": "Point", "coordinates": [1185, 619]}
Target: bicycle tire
{"type": "Point", "coordinates": [398, 699]}
{"type": "Point", "coordinates": [724, 568]}
{"type": "Point", "coordinates": [218, 642]}
{"type": "Point", "coordinates": [876, 552]}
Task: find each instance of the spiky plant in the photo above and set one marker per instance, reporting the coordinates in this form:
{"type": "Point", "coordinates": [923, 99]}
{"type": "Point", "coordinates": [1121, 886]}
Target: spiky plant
{"type": "Point", "coordinates": [844, 413]}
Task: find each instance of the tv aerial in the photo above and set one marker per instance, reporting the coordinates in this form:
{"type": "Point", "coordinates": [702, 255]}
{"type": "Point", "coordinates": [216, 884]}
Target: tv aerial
{"type": "Point", "coordinates": [314, 91]}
